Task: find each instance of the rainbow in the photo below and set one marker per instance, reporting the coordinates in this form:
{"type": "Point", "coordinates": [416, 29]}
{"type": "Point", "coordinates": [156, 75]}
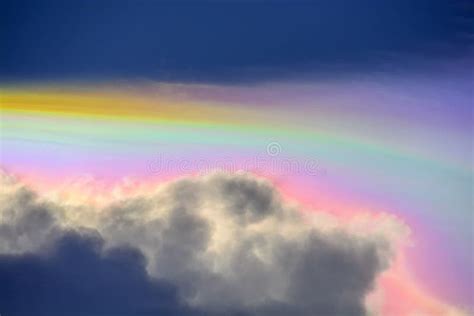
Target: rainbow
{"type": "Point", "coordinates": [343, 147]}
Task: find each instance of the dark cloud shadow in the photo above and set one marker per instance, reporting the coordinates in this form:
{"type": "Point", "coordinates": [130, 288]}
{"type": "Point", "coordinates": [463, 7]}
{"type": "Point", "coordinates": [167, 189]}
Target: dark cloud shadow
{"type": "Point", "coordinates": [76, 276]}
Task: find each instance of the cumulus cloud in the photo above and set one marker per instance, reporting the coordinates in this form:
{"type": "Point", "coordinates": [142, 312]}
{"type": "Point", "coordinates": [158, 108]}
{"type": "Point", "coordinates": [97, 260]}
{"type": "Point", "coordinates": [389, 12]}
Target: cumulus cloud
{"type": "Point", "coordinates": [227, 244]}
{"type": "Point", "coordinates": [25, 222]}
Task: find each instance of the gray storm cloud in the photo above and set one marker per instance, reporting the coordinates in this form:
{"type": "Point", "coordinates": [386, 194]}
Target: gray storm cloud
{"type": "Point", "coordinates": [227, 242]}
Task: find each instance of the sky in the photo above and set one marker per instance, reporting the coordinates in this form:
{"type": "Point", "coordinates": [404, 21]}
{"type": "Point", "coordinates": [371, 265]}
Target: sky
{"type": "Point", "coordinates": [225, 41]}
{"type": "Point", "coordinates": [236, 158]}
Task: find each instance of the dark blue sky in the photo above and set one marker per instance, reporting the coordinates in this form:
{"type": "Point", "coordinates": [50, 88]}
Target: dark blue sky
{"type": "Point", "coordinates": [223, 41]}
